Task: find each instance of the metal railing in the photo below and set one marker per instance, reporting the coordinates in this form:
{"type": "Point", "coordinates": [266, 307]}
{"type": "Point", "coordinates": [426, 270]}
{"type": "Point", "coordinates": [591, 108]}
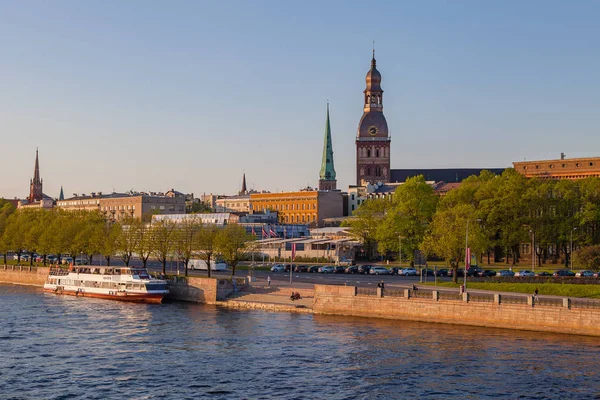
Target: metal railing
{"type": "Point", "coordinates": [393, 293]}
{"type": "Point", "coordinates": [365, 291]}
{"type": "Point", "coordinates": [449, 295]}
{"type": "Point", "coordinates": [481, 297]}
{"type": "Point", "coordinates": [548, 302]}
{"type": "Point", "coordinates": [585, 303]}
{"type": "Point", "coordinates": [510, 299]}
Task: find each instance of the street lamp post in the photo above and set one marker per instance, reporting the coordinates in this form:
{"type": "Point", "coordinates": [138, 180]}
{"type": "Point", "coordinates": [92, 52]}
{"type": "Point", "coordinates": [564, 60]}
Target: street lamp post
{"type": "Point", "coordinates": [400, 250]}
{"type": "Point", "coordinates": [532, 251]}
{"type": "Point", "coordinates": [571, 249]}
{"type": "Point", "coordinates": [467, 253]}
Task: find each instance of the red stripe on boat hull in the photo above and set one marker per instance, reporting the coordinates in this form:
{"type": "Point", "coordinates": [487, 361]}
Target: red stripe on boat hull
{"type": "Point", "coordinates": [131, 297]}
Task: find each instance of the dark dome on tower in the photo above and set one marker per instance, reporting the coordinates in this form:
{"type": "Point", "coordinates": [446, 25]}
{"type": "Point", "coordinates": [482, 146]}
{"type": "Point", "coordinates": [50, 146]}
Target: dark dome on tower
{"type": "Point", "coordinates": [373, 77]}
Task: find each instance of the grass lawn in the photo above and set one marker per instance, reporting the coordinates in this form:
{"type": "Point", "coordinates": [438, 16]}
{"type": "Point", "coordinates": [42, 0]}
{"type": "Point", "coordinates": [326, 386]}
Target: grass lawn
{"type": "Point", "coordinates": [553, 289]}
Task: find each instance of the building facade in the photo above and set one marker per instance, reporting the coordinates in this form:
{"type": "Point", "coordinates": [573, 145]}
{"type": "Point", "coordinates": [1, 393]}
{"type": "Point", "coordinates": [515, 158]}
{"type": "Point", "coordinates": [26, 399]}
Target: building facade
{"type": "Point", "coordinates": [563, 168]}
{"type": "Point", "coordinates": [117, 206]}
{"type": "Point", "coordinates": [373, 140]}
{"type": "Point", "coordinates": [304, 207]}
{"type": "Point", "coordinates": [327, 178]}
{"type": "Point", "coordinates": [240, 203]}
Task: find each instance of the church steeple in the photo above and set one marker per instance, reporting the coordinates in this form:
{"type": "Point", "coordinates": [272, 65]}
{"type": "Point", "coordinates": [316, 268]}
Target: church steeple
{"type": "Point", "coordinates": [244, 189]}
{"type": "Point", "coordinates": [61, 196]}
{"type": "Point", "coordinates": [35, 184]}
{"type": "Point", "coordinates": [327, 180]}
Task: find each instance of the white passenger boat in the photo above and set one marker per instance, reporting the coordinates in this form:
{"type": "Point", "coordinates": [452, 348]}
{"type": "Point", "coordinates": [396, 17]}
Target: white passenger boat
{"type": "Point", "coordinates": [115, 283]}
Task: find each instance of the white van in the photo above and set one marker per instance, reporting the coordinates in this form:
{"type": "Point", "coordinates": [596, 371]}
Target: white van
{"type": "Point", "coordinates": [201, 265]}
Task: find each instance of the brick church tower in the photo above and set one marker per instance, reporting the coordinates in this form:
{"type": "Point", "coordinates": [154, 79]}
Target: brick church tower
{"type": "Point", "coordinates": [373, 139]}
{"type": "Point", "coordinates": [35, 184]}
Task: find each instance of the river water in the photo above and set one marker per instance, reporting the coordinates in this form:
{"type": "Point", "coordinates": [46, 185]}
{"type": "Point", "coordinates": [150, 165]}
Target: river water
{"type": "Point", "coordinates": [62, 347]}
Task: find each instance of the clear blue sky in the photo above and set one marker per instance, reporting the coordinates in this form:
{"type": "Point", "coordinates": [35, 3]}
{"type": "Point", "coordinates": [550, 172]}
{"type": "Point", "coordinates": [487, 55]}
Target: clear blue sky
{"type": "Point", "coordinates": [150, 95]}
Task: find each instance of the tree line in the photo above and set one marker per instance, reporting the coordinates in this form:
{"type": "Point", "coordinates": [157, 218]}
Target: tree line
{"type": "Point", "coordinates": [59, 232]}
{"type": "Point", "coordinates": [501, 212]}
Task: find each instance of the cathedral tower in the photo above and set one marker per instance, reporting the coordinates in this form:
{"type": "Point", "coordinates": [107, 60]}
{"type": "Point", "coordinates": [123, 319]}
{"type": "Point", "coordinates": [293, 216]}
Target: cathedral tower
{"type": "Point", "coordinates": [373, 139]}
{"type": "Point", "coordinates": [327, 179]}
{"type": "Point", "coordinates": [35, 184]}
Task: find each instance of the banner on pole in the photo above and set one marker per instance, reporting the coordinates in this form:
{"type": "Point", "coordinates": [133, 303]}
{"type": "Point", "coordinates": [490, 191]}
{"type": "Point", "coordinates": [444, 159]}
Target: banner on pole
{"type": "Point", "coordinates": [468, 259]}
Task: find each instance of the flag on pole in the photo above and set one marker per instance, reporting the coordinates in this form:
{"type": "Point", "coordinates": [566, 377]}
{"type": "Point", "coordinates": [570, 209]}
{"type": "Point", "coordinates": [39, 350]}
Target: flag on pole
{"type": "Point", "coordinates": [293, 251]}
{"type": "Point", "coordinates": [264, 233]}
{"type": "Point", "coordinates": [272, 232]}
{"type": "Point", "coordinates": [468, 259]}
{"type": "Point", "coordinates": [253, 233]}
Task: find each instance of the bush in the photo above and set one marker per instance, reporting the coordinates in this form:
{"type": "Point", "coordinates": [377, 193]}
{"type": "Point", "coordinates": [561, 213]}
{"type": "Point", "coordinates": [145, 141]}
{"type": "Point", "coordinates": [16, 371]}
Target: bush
{"type": "Point", "coordinates": [588, 257]}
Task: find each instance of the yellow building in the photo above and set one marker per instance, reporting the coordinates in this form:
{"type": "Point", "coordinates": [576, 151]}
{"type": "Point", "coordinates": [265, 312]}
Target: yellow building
{"type": "Point", "coordinates": [303, 207]}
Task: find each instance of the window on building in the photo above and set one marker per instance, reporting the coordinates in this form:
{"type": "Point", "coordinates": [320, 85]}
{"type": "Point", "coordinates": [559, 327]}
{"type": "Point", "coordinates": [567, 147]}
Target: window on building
{"type": "Point", "coordinates": [368, 152]}
{"type": "Point", "coordinates": [368, 171]}
{"type": "Point", "coordinates": [352, 207]}
{"type": "Point", "coordinates": [353, 197]}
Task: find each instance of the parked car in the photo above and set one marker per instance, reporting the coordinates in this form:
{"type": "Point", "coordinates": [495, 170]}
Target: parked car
{"type": "Point", "coordinates": [313, 269]}
{"type": "Point", "coordinates": [444, 272]}
{"type": "Point", "coordinates": [525, 272]}
{"type": "Point", "coordinates": [563, 272]}
{"type": "Point", "coordinates": [459, 273]}
{"type": "Point", "coordinates": [277, 268]}
{"type": "Point", "coordinates": [51, 258]}
{"type": "Point", "coordinates": [338, 269]}
{"type": "Point", "coordinates": [379, 271]}
{"type": "Point", "coordinates": [345, 262]}
{"type": "Point", "coordinates": [585, 274]}
{"type": "Point", "coordinates": [301, 268]}
{"type": "Point", "coordinates": [488, 272]}
{"type": "Point", "coordinates": [505, 273]}
{"type": "Point", "coordinates": [474, 271]}
{"type": "Point", "coordinates": [24, 257]}
{"type": "Point", "coordinates": [287, 267]}
{"type": "Point", "coordinates": [394, 270]}
{"type": "Point", "coordinates": [352, 270]}
{"type": "Point", "coordinates": [408, 272]}
{"type": "Point", "coordinates": [544, 273]}
{"type": "Point", "coordinates": [39, 259]}
{"type": "Point", "coordinates": [326, 269]}
{"type": "Point", "coordinates": [82, 261]}
{"type": "Point", "coordinates": [364, 269]}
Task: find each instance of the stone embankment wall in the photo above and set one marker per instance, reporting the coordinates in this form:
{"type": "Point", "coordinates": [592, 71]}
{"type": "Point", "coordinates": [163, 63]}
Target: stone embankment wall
{"type": "Point", "coordinates": [343, 300]}
{"type": "Point", "coordinates": [203, 290]}
{"type": "Point", "coordinates": [23, 275]}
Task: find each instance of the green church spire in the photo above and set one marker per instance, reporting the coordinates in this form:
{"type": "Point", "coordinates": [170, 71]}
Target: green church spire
{"type": "Point", "coordinates": [327, 179]}
{"type": "Point", "coordinates": [61, 196]}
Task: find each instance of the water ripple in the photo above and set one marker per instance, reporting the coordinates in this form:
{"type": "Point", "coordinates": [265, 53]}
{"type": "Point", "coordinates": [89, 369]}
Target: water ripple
{"type": "Point", "coordinates": [60, 347]}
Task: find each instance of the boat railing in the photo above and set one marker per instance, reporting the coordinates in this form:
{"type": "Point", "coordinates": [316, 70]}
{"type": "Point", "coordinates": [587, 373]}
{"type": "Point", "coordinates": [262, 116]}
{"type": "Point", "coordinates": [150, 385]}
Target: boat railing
{"type": "Point", "coordinates": [59, 272]}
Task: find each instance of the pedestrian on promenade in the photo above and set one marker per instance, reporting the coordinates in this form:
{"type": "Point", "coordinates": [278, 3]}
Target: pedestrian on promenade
{"type": "Point", "coordinates": [382, 285]}
{"type": "Point", "coordinates": [268, 280]}
{"type": "Point", "coordinates": [535, 295]}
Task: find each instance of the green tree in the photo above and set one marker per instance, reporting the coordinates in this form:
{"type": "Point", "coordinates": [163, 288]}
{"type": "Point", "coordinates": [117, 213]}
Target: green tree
{"type": "Point", "coordinates": [163, 238]}
{"type": "Point", "coordinates": [366, 220]}
{"type": "Point", "coordinates": [186, 239]}
{"type": "Point", "coordinates": [447, 235]}
{"type": "Point", "coordinates": [127, 242]}
{"type": "Point", "coordinates": [409, 215]}
{"type": "Point", "coordinates": [205, 244]}
{"type": "Point", "coordinates": [231, 243]}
